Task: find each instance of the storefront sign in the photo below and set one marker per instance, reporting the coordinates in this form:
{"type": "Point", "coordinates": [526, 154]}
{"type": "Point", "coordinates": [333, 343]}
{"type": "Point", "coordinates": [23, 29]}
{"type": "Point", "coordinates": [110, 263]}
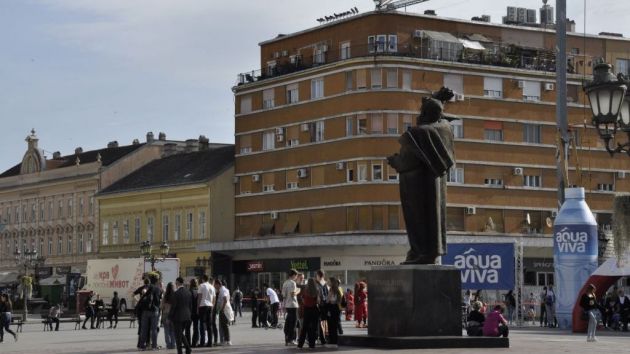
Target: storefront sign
{"type": "Point", "coordinates": [255, 266]}
{"type": "Point", "coordinates": [44, 272]}
{"type": "Point", "coordinates": [538, 264]}
{"type": "Point", "coordinates": [299, 264]}
{"type": "Point", "coordinates": [359, 262]}
{"type": "Point", "coordinates": [62, 270]}
{"type": "Point", "coordinates": [483, 265]}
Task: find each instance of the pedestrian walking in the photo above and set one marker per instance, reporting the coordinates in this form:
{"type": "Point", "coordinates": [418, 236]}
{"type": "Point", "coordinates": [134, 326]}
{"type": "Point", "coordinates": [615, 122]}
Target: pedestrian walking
{"type": "Point", "coordinates": [237, 299]}
{"type": "Point", "coordinates": [323, 315]}
{"type": "Point", "coordinates": [90, 311]}
{"type": "Point", "coordinates": [205, 303]}
{"type": "Point", "coordinates": [333, 308]}
{"type": "Point", "coordinates": [165, 308]}
{"type": "Point", "coordinates": [274, 304]}
{"type": "Point", "coordinates": [543, 307]}
{"type": "Point", "coordinates": [6, 308]}
{"type": "Point", "coordinates": [113, 310]}
{"type": "Point", "coordinates": [289, 294]}
{"type": "Point", "coordinates": [360, 304]}
{"type": "Point", "coordinates": [550, 308]}
{"type": "Point", "coordinates": [194, 315]}
{"type": "Point", "coordinates": [311, 300]}
{"type": "Point", "coordinates": [590, 307]}
{"type": "Point", "coordinates": [180, 315]}
{"type": "Point", "coordinates": [254, 304]}
{"type": "Point", "coordinates": [224, 311]}
{"type": "Point", "coordinates": [510, 304]}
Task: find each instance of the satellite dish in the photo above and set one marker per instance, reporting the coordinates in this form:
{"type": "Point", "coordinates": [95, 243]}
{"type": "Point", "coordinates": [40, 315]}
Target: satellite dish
{"type": "Point", "coordinates": [549, 222]}
{"type": "Point", "coordinates": [528, 219]}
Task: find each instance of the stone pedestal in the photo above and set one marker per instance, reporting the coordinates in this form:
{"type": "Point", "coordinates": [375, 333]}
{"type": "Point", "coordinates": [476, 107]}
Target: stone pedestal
{"type": "Point", "coordinates": [414, 300]}
{"type": "Point", "coordinates": [416, 306]}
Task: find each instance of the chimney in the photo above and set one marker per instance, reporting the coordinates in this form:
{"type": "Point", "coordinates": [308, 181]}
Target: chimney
{"type": "Point", "coordinates": [169, 149]}
{"type": "Point", "coordinates": [78, 150]}
{"type": "Point", "coordinates": [162, 136]}
{"type": "Point", "coordinates": [56, 155]}
{"type": "Point", "coordinates": [192, 145]}
{"type": "Point", "coordinates": [150, 137]}
{"type": "Point", "coordinates": [204, 143]}
{"type": "Point", "coordinates": [112, 144]}
{"type": "Point", "coordinates": [135, 142]}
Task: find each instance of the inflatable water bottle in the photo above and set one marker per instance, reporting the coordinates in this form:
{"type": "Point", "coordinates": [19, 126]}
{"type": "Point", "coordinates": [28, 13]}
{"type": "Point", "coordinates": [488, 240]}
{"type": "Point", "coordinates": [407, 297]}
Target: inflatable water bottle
{"type": "Point", "coordinates": [574, 252]}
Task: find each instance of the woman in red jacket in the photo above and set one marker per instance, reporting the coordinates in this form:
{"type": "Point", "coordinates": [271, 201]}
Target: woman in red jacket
{"type": "Point", "coordinates": [349, 304]}
{"type": "Point", "coordinates": [360, 304]}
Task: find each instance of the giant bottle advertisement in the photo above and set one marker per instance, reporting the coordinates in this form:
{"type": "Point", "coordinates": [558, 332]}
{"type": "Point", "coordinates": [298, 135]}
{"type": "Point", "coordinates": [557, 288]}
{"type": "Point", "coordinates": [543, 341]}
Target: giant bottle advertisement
{"type": "Point", "coordinates": [575, 252]}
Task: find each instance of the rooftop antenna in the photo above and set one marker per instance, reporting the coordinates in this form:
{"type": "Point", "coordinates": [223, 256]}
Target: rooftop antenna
{"type": "Point", "coordinates": [390, 5]}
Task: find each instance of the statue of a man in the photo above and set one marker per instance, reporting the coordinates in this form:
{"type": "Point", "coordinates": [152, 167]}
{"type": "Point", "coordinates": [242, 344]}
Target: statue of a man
{"type": "Point", "coordinates": [426, 154]}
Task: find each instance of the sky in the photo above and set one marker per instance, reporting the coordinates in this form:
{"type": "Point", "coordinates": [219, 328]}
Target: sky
{"type": "Point", "coordinates": [86, 72]}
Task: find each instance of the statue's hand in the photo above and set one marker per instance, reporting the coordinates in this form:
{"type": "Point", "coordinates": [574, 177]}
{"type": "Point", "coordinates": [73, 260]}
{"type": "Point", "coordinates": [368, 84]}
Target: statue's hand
{"type": "Point", "coordinates": [394, 161]}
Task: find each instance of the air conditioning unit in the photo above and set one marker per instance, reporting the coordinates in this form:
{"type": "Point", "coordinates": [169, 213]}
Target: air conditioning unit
{"type": "Point", "coordinates": [521, 83]}
{"type": "Point", "coordinates": [235, 179]}
{"type": "Point", "coordinates": [273, 215]}
{"type": "Point", "coordinates": [518, 171]}
{"type": "Point", "coordinates": [255, 178]}
{"type": "Point", "coordinates": [549, 86]}
{"type": "Point", "coordinates": [304, 127]}
{"type": "Point", "coordinates": [279, 138]}
{"type": "Point", "coordinates": [471, 210]}
{"type": "Point", "coordinates": [341, 166]}
{"type": "Point", "coordinates": [302, 173]}
{"type": "Point", "coordinates": [285, 53]}
{"type": "Point", "coordinates": [621, 174]}
{"type": "Point", "coordinates": [554, 213]}
{"type": "Point", "coordinates": [459, 97]}
{"type": "Point", "coordinates": [279, 131]}
{"type": "Point", "coordinates": [293, 59]}
{"type": "Point", "coordinates": [418, 33]}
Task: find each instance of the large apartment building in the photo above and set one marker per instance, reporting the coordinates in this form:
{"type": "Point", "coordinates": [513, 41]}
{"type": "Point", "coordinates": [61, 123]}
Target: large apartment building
{"type": "Point", "coordinates": [315, 124]}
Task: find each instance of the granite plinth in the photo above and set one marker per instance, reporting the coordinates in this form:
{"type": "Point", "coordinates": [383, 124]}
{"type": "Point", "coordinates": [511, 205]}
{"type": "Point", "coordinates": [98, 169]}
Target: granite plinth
{"type": "Point", "coordinates": [414, 301]}
{"type": "Point", "coordinates": [438, 342]}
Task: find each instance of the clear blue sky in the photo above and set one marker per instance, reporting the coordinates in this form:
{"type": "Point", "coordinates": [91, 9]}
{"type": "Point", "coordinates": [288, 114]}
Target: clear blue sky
{"type": "Point", "coordinates": [83, 73]}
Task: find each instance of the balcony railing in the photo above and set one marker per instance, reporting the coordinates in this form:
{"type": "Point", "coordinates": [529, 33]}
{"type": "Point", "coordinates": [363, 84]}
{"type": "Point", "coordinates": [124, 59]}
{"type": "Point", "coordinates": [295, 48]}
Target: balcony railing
{"type": "Point", "coordinates": [509, 56]}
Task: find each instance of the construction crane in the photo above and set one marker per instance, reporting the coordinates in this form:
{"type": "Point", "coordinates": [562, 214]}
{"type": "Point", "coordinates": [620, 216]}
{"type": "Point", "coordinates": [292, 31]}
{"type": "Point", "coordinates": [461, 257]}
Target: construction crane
{"type": "Point", "coordinates": [389, 5]}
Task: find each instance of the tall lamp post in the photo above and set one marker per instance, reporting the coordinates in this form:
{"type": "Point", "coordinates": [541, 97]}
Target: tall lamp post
{"type": "Point", "coordinates": [27, 259]}
{"type": "Point", "coordinates": [610, 104]}
{"type": "Point", "coordinates": [147, 254]}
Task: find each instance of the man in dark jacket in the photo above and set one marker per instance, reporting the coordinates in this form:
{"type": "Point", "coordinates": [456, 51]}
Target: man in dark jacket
{"type": "Point", "coordinates": [113, 310]}
{"type": "Point", "coordinates": [180, 315]}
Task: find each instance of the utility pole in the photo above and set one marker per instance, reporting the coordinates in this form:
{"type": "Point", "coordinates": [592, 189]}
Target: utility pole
{"type": "Point", "coordinates": [562, 157]}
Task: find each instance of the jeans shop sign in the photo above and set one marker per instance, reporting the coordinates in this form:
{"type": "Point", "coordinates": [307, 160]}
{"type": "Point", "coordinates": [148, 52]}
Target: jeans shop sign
{"type": "Point", "coordinates": [483, 265]}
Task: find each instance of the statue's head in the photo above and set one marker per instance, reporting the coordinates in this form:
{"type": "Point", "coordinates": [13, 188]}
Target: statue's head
{"type": "Point", "coordinates": [430, 111]}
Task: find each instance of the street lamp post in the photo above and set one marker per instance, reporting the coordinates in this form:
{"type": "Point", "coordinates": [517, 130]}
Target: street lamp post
{"type": "Point", "coordinates": [27, 259]}
{"type": "Point", "coordinates": [146, 252]}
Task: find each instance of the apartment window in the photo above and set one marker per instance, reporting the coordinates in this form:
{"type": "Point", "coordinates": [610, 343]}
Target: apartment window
{"type": "Point", "coordinates": [392, 123]}
{"type": "Point", "coordinates": [24, 214]}
{"type": "Point", "coordinates": [371, 44]}
{"type": "Point", "coordinates": [293, 94]}
{"type": "Point", "coordinates": [349, 82]}
{"type": "Point", "coordinates": [189, 226]}
{"type": "Point", "coordinates": [406, 80]}
{"type": "Point", "coordinates": [126, 231]}
{"type": "Point", "coordinates": [246, 104]}
{"type": "Point", "coordinates": [319, 55]}
{"type": "Point", "coordinates": [271, 68]}
{"type": "Point", "coordinates": [81, 206]}
{"type": "Point", "coordinates": [376, 123]}
{"type": "Point", "coordinates": [455, 82]}
{"type": "Point", "coordinates": [392, 174]}
{"type": "Point", "coordinates": [392, 43]}
{"type": "Point", "coordinates": [202, 224]}
{"type": "Point", "coordinates": [362, 172]}
{"type": "Point", "coordinates": [493, 131]}
{"type": "Point", "coordinates": [349, 173]}
{"type": "Point", "coordinates": [349, 126]}
{"type": "Point", "coordinates": [150, 225]}
{"type": "Point", "coordinates": [493, 87]}
{"type": "Point", "coordinates": [392, 78]}
{"type": "Point", "coordinates": [361, 124]}
{"type": "Point", "coordinates": [80, 244]}
{"type": "Point", "coordinates": [622, 66]}
{"type": "Point", "coordinates": [105, 233]}
{"type": "Point", "coordinates": [531, 90]}
{"type": "Point", "coordinates": [458, 128]}
{"type": "Point", "coordinates": [345, 50]}
{"type": "Point", "coordinates": [60, 210]}
{"type": "Point", "coordinates": [531, 133]}
{"type": "Point", "coordinates": [317, 88]}
{"type": "Point", "coordinates": [531, 181]}
{"type": "Point", "coordinates": [268, 188]}
{"type": "Point", "coordinates": [269, 140]}
{"type": "Point", "coordinates": [91, 205]}
{"type": "Point", "coordinates": [245, 144]}
{"type": "Point", "coordinates": [376, 77]}
{"type": "Point", "coordinates": [50, 246]}
{"type": "Point", "coordinates": [268, 98]}
{"type": "Point", "coordinates": [377, 172]}
{"type": "Point", "coordinates": [59, 245]}
{"type": "Point", "coordinates": [69, 244]}
{"type": "Point", "coordinates": [115, 233]}
{"type": "Point", "coordinates": [456, 175]}
{"type": "Point", "coordinates": [493, 182]}
{"type": "Point", "coordinates": [292, 185]}
{"type": "Point", "coordinates": [178, 227]}
{"type": "Point", "coordinates": [164, 227]}
{"type": "Point", "coordinates": [381, 43]}
{"type": "Point", "coordinates": [137, 230]}
{"type": "Point", "coordinates": [50, 210]}
{"type": "Point", "coordinates": [88, 245]}
{"type": "Point", "coordinates": [407, 121]}
{"type": "Point", "coordinates": [605, 187]}
{"type": "Point", "coordinates": [319, 130]}
{"type": "Point", "coordinates": [361, 78]}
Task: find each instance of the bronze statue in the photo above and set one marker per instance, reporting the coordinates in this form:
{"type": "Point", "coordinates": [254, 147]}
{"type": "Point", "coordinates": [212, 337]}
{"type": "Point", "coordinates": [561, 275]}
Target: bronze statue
{"type": "Point", "coordinates": [426, 154]}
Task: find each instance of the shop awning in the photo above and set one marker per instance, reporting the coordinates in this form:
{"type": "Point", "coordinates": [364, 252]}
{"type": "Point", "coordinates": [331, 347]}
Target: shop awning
{"type": "Point", "coordinates": [440, 36]}
{"type": "Point", "coordinates": [291, 227]}
{"type": "Point", "coordinates": [267, 229]}
{"type": "Point", "coordinates": [479, 38]}
{"type": "Point", "coordinates": [8, 277]}
{"type": "Point", "coordinates": [474, 45]}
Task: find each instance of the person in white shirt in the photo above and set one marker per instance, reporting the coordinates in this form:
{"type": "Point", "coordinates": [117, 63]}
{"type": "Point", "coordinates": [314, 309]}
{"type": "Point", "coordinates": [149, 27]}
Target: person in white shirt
{"type": "Point", "coordinates": [289, 294]}
{"type": "Point", "coordinates": [205, 301]}
{"type": "Point", "coordinates": [224, 310]}
{"type": "Point", "coordinates": [274, 303]}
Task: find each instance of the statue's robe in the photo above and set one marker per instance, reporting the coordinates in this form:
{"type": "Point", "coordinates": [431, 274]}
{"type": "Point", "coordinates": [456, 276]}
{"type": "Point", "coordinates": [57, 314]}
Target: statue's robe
{"type": "Point", "coordinates": [423, 163]}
